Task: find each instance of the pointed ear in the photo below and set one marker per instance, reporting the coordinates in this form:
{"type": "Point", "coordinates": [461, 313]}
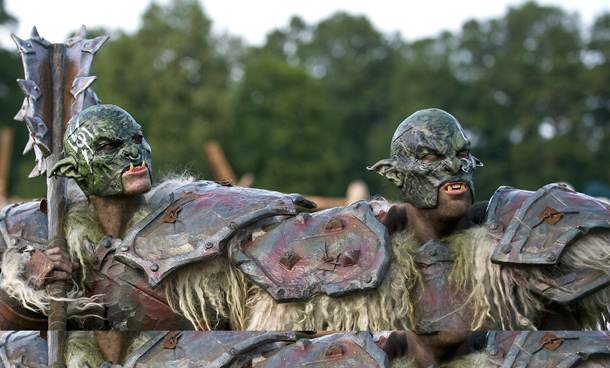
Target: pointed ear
{"type": "Point", "coordinates": [388, 169]}
{"type": "Point", "coordinates": [66, 167]}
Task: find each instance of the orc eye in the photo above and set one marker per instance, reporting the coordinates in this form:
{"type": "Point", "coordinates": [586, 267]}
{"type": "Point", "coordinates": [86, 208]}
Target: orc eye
{"type": "Point", "coordinates": [463, 153]}
{"type": "Point", "coordinates": [108, 146]}
{"type": "Point", "coordinates": [137, 139]}
{"type": "Point", "coordinates": [432, 157]}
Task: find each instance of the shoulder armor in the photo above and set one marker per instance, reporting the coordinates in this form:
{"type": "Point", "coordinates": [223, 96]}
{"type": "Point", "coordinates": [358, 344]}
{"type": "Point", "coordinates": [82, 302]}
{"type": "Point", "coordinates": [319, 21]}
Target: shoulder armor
{"type": "Point", "coordinates": [205, 349]}
{"type": "Point", "coordinates": [23, 349]}
{"type": "Point", "coordinates": [335, 251]}
{"type": "Point", "coordinates": [23, 225]}
{"type": "Point", "coordinates": [340, 350]}
{"type": "Point", "coordinates": [193, 223]}
{"type": "Point", "coordinates": [562, 349]}
{"type": "Point", "coordinates": [536, 227]}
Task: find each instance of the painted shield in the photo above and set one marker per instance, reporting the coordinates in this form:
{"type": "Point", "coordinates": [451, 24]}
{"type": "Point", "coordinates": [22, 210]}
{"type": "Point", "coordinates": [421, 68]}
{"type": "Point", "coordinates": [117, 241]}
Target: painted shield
{"type": "Point", "coordinates": [336, 252]}
{"type": "Point", "coordinates": [194, 223]}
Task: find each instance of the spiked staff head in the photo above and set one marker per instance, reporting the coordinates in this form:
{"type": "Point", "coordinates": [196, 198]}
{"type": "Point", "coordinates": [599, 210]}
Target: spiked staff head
{"type": "Point", "coordinates": [39, 89]}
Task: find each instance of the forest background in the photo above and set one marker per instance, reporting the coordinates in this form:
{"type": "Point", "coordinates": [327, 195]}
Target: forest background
{"type": "Point", "coordinates": [317, 103]}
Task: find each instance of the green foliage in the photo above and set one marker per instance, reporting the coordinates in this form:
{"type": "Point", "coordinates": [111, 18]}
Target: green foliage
{"type": "Point", "coordinates": [309, 110]}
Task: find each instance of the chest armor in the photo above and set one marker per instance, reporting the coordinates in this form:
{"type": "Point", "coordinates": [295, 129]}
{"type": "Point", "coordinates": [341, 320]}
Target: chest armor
{"type": "Point", "coordinates": [438, 305]}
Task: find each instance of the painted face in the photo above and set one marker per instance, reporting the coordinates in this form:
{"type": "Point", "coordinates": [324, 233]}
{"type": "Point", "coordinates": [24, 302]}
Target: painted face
{"type": "Point", "coordinates": [109, 151]}
{"type": "Point", "coordinates": [430, 152]}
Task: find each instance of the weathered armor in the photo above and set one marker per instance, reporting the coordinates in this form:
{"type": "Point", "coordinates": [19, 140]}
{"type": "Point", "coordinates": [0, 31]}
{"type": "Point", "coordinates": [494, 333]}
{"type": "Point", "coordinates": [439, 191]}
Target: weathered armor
{"type": "Point", "coordinates": [336, 252]}
{"type": "Point", "coordinates": [195, 224]}
{"type": "Point", "coordinates": [540, 349]}
{"type": "Point", "coordinates": [23, 349]}
{"type": "Point", "coordinates": [535, 228]}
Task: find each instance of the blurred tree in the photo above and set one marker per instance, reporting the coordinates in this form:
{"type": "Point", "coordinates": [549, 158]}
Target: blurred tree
{"type": "Point", "coordinates": [355, 63]}
{"type": "Point", "coordinates": [169, 76]}
{"type": "Point", "coordinates": [11, 98]}
{"type": "Point", "coordinates": [283, 130]}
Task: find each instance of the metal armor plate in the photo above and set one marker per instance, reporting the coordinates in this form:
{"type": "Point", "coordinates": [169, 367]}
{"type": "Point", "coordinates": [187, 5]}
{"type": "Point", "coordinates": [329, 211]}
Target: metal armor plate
{"type": "Point", "coordinates": [335, 251]}
{"type": "Point", "coordinates": [23, 349]}
{"type": "Point", "coordinates": [24, 225]}
{"type": "Point", "coordinates": [535, 228]}
{"type": "Point", "coordinates": [216, 349]}
{"type": "Point", "coordinates": [540, 349]}
{"type": "Point", "coordinates": [340, 350]}
{"type": "Point", "coordinates": [194, 223]}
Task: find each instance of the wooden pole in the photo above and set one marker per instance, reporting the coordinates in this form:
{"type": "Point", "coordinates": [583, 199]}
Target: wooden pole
{"type": "Point", "coordinates": [218, 161]}
{"type": "Point", "coordinates": [57, 205]}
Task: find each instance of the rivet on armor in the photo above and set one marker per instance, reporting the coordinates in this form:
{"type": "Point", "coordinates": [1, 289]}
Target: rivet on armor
{"type": "Point", "coordinates": [349, 258]}
{"type": "Point", "coordinates": [209, 245]}
{"type": "Point", "coordinates": [289, 259]}
{"type": "Point", "coordinates": [433, 253]}
{"type": "Point", "coordinates": [550, 257]}
{"type": "Point", "coordinates": [334, 350]}
{"type": "Point", "coordinates": [125, 248]}
{"type": "Point", "coordinates": [334, 224]}
{"type": "Point", "coordinates": [154, 267]}
{"type": "Point", "coordinates": [280, 293]}
{"type": "Point", "coordinates": [14, 241]}
{"type": "Point", "coordinates": [233, 352]}
{"type": "Point", "coordinates": [506, 248]}
{"type": "Point", "coordinates": [302, 344]}
{"type": "Point", "coordinates": [368, 279]}
{"type": "Point", "coordinates": [493, 226]}
{"type": "Point", "coordinates": [493, 352]}
{"type": "Point", "coordinates": [233, 224]}
{"type": "Point", "coordinates": [106, 241]}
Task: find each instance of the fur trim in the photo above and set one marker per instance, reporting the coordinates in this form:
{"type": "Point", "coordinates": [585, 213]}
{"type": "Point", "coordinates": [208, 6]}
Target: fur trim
{"type": "Point", "coordinates": [205, 293]}
{"type": "Point", "coordinates": [82, 350]}
{"type": "Point", "coordinates": [15, 284]}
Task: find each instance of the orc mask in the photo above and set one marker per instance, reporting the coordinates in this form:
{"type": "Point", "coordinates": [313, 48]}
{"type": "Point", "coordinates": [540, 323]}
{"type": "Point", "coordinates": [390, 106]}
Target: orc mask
{"type": "Point", "coordinates": [100, 144]}
{"type": "Point", "coordinates": [429, 149]}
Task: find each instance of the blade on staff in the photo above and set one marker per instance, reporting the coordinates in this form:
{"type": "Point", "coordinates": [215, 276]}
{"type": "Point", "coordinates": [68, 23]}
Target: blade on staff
{"type": "Point", "coordinates": [56, 87]}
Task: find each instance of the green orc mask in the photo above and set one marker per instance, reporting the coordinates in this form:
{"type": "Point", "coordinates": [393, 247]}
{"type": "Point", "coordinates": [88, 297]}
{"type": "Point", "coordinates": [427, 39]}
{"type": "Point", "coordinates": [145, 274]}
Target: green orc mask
{"type": "Point", "coordinates": [429, 149]}
{"type": "Point", "coordinates": [101, 143]}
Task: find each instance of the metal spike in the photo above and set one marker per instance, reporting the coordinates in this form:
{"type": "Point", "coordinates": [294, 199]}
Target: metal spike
{"type": "Point", "coordinates": [80, 84]}
{"type": "Point", "coordinates": [30, 88]}
{"type": "Point", "coordinates": [34, 33]}
{"type": "Point", "coordinates": [29, 145]}
{"type": "Point", "coordinates": [24, 46]}
{"type": "Point", "coordinates": [38, 131]}
{"type": "Point", "coordinates": [78, 37]}
{"type": "Point", "coordinates": [23, 110]}
{"type": "Point", "coordinates": [91, 46]}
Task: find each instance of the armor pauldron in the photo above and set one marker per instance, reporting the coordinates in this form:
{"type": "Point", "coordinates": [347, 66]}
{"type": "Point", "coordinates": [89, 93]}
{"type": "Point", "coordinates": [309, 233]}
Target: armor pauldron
{"type": "Point", "coordinates": [335, 251]}
{"type": "Point", "coordinates": [562, 349]}
{"type": "Point", "coordinates": [24, 225]}
{"type": "Point", "coordinates": [340, 350]}
{"type": "Point", "coordinates": [206, 349]}
{"type": "Point", "coordinates": [194, 223]}
{"type": "Point", "coordinates": [535, 228]}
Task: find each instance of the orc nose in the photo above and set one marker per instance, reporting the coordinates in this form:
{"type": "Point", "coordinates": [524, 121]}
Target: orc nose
{"type": "Point", "coordinates": [452, 165]}
{"type": "Point", "coordinates": [131, 153]}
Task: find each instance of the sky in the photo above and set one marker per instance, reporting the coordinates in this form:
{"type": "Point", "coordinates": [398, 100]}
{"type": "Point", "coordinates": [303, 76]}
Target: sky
{"type": "Point", "coordinates": [252, 20]}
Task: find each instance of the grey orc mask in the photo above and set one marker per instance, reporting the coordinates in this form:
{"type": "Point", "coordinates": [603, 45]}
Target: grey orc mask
{"type": "Point", "coordinates": [430, 131]}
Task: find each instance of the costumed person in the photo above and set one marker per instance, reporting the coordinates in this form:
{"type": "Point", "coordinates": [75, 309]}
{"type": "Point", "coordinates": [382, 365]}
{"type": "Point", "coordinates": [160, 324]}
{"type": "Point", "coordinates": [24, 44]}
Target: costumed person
{"type": "Point", "coordinates": [524, 260]}
{"type": "Point", "coordinates": [160, 258]}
